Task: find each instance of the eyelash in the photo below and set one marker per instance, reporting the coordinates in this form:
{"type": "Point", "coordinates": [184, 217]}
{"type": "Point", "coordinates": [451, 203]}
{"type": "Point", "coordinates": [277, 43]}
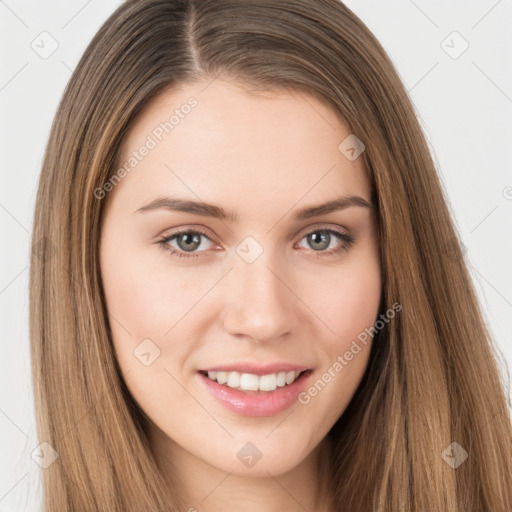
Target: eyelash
{"type": "Point", "coordinates": [347, 242]}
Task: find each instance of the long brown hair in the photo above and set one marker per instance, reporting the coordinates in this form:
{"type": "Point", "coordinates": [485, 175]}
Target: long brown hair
{"type": "Point", "coordinates": [433, 377]}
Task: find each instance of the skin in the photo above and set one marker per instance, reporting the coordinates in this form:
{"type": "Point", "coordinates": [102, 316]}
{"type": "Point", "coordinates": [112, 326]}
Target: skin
{"type": "Point", "coordinates": [263, 156]}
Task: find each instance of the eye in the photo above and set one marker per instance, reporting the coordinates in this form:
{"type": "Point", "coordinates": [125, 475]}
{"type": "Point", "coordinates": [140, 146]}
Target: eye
{"type": "Point", "coordinates": [190, 241]}
{"type": "Point", "coordinates": [322, 238]}
{"type": "Point", "coordinates": [187, 241]}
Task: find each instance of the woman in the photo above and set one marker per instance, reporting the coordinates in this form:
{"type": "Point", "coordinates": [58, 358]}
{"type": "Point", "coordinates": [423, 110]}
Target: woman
{"type": "Point", "coordinates": [193, 347]}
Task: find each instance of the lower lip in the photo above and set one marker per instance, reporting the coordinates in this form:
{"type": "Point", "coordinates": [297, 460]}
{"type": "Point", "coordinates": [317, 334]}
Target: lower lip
{"type": "Point", "coordinates": [267, 403]}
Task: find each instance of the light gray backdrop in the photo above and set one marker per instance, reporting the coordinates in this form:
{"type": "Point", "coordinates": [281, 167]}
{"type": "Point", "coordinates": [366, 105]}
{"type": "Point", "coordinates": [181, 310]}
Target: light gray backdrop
{"type": "Point", "coordinates": [454, 58]}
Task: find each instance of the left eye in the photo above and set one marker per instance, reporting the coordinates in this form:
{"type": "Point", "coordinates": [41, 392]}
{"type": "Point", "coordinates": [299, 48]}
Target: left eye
{"type": "Point", "coordinates": [322, 238]}
{"type": "Point", "coordinates": [188, 242]}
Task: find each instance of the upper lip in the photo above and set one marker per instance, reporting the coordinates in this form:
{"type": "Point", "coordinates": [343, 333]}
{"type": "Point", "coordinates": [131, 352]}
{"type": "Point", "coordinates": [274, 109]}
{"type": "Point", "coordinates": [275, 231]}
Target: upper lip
{"type": "Point", "coordinates": [257, 369]}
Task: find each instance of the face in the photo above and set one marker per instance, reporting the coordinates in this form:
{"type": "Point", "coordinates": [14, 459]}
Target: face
{"type": "Point", "coordinates": [257, 288]}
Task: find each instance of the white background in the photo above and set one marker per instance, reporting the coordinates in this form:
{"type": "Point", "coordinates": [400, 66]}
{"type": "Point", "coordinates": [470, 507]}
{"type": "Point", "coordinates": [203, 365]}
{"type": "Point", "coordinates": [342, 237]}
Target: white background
{"type": "Point", "coordinates": [464, 104]}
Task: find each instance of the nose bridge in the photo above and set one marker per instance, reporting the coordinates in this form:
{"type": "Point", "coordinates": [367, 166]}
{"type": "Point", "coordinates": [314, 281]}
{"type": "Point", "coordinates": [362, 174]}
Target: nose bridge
{"type": "Point", "coordinates": [258, 284]}
{"type": "Point", "coordinates": [259, 304]}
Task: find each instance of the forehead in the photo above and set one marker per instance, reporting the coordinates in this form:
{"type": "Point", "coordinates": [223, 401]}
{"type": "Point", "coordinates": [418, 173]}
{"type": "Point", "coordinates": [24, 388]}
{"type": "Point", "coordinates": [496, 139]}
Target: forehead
{"type": "Point", "coordinates": [215, 141]}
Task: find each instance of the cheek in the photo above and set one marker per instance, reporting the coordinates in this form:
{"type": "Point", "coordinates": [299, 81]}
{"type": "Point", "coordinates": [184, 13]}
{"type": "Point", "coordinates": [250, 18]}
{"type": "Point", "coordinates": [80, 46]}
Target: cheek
{"type": "Point", "coordinates": [144, 295]}
{"type": "Point", "coordinates": [350, 307]}
{"type": "Point", "coordinates": [349, 304]}
{"type": "Point", "coordinates": [142, 307]}
{"type": "Point", "coordinates": [152, 309]}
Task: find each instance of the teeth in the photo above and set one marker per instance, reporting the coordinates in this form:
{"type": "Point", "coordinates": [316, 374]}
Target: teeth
{"type": "Point", "coordinates": [251, 382]}
{"type": "Point", "coordinates": [290, 377]}
{"type": "Point", "coordinates": [222, 377]}
{"type": "Point", "coordinates": [281, 379]}
{"type": "Point", "coordinates": [268, 382]}
{"type": "Point", "coordinates": [233, 379]}
{"type": "Point", "coordinates": [248, 382]}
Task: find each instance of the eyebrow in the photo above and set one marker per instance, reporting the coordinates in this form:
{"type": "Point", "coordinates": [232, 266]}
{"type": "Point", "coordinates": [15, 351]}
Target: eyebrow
{"type": "Point", "coordinates": [211, 210]}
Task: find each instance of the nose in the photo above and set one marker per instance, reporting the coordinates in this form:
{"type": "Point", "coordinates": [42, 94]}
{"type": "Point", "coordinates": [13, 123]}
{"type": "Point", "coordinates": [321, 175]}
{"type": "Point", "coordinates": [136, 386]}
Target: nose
{"type": "Point", "coordinates": [260, 303]}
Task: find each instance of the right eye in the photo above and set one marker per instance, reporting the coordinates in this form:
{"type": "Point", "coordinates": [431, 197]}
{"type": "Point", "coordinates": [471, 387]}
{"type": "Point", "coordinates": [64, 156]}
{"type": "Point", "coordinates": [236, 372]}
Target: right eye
{"type": "Point", "coordinates": [185, 239]}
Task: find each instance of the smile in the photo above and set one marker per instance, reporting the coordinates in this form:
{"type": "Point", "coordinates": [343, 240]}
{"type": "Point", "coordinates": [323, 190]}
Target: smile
{"type": "Point", "coordinates": [252, 382]}
{"type": "Point", "coordinates": [249, 394]}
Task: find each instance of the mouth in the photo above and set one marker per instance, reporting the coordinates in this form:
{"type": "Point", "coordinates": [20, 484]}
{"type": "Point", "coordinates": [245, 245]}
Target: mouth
{"type": "Point", "coordinates": [268, 394]}
{"type": "Point", "coordinates": [251, 383]}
